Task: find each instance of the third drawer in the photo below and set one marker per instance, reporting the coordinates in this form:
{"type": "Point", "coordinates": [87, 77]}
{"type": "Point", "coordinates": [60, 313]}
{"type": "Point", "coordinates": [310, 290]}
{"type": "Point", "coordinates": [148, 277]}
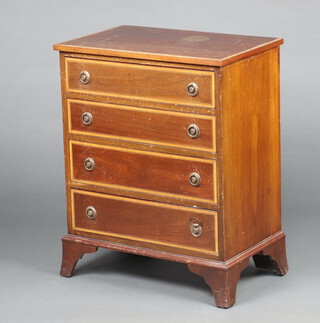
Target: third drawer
{"type": "Point", "coordinates": [144, 171]}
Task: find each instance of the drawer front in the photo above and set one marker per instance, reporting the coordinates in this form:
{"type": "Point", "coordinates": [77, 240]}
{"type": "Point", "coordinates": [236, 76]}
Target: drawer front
{"type": "Point", "coordinates": [144, 125]}
{"type": "Point", "coordinates": [162, 174]}
{"type": "Point", "coordinates": [144, 221]}
{"type": "Point", "coordinates": [139, 81]}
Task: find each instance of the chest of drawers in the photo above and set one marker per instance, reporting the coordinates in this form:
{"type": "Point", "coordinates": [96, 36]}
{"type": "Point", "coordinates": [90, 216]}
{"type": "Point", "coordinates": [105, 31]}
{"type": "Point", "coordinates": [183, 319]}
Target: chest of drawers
{"type": "Point", "coordinates": [172, 150]}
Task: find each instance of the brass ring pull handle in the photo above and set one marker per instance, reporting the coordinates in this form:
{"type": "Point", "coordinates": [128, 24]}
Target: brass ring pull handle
{"type": "Point", "coordinates": [89, 164]}
{"type": "Point", "coordinates": [196, 229]}
{"type": "Point", "coordinates": [84, 77]}
{"type": "Point", "coordinates": [91, 212]}
{"type": "Point", "coordinates": [192, 89]}
{"type": "Point", "coordinates": [87, 118]}
{"type": "Point", "coordinates": [195, 179]}
{"type": "Point", "coordinates": [193, 131]}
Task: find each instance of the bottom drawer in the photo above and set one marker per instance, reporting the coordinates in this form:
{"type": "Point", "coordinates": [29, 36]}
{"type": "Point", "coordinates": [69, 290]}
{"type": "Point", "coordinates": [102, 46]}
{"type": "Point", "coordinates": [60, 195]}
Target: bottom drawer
{"type": "Point", "coordinates": [140, 222]}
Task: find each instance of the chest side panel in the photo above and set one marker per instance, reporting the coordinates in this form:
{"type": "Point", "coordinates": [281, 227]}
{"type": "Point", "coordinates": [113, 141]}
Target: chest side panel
{"type": "Point", "coordinates": [251, 150]}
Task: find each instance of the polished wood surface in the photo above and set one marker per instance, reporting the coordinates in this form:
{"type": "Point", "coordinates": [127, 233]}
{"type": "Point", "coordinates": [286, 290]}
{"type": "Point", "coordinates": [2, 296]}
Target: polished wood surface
{"type": "Point", "coordinates": [273, 258]}
{"type": "Point", "coordinates": [176, 257]}
{"type": "Point", "coordinates": [222, 277]}
{"type": "Point", "coordinates": [143, 155]}
{"type": "Point", "coordinates": [141, 221]}
{"type": "Point", "coordinates": [145, 171]}
{"type": "Point", "coordinates": [251, 149]}
{"type": "Point", "coordinates": [146, 62]}
{"type": "Point", "coordinates": [142, 125]}
{"type": "Point", "coordinates": [145, 195]}
{"type": "Point", "coordinates": [141, 145]}
{"type": "Point", "coordinates": [72, 252]}
{"type": "Point", "coordinates": [223, 283]}
{"type": "Point", "coordinates": [66, 145]}
{"type": "Point", "coordinates": [140, 81]}
{"type": "Point", "coordinates": [143, 103]}
{"type": "Point", "coordinates": [170, 45]}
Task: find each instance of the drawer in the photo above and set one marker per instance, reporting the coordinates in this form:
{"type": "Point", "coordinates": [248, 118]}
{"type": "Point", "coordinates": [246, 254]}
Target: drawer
{"type": "Point", "coordinates": [144, 171]}
{"type": "Point", "coordinates": [145, 221]}
{"type": "Point", "coordinates": [142, 82]}
{"type": "Point", "coordinates": [142, 125]}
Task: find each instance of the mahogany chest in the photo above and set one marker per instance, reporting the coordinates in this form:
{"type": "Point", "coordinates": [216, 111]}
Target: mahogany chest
{"type": "Point", "coordinates": [172, 150]}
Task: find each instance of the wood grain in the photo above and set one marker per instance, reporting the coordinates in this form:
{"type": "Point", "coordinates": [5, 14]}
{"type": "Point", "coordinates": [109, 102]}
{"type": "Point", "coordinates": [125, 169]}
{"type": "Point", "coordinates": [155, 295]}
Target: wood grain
{"type": "Point", "coordinates": [273, 257]}
{"type": "Point", "coordinates": [149, 251]}
{"type": "Point", "coordinates": [140, 81]}
{"type": "Point", "coordinates": [133, 60]}
{"type": "Point", "coordinates": [144, 171]}
{"type": "Point", "coordinates": [144, 146]}
{"type": "Point", "coordinates": [143, 125]}
{"type": "Point", "coordinates": [66, 145]}
{"type": "Point", "coordinates": [143, 154]}
{"type": "Point", "coordinates": [223, 283]}
{"type": "Point", "coordinates": [142, 221]}
{"type": "Point", "coordinates": [104, 98]}
{"type": "Point", "coordinates": [251, 151]}
{"type": "Point", "coordinates": [222, 277]}
{"type": "Point", "coordinates": [170, 45]}
{"type": "Point", "coordinates": [72, 252]}
{"type": "Point", "coordinates": [145, 195]}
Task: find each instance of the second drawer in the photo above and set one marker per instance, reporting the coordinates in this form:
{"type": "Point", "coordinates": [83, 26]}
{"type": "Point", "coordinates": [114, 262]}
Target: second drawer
{"type": "Point", "coordinates": [142, 125]}
{"type": "Point", "coordinates": [163, 174]}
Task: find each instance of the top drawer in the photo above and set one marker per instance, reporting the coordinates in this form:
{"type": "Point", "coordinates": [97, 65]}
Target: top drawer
{"type": "Point", "coordinates": [163, 84]}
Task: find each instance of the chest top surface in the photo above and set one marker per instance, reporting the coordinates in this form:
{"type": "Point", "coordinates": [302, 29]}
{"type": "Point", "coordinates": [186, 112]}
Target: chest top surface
{"type": "Point", "coordinates": [170, 45]}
